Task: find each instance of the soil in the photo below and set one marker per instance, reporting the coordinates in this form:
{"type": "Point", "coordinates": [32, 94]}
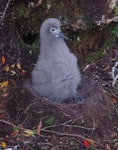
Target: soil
{"type": "Point", "coordinates": [90, 124]}
{"type": "Point", "coordinates": [28, 122]}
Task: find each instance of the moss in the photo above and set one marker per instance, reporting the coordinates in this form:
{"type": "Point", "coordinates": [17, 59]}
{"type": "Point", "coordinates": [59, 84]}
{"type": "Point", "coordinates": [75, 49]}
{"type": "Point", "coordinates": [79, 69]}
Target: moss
{"type": "Point", "coordinates": [34, 46]}
{"type": "Point", "coordinates": [72, 143]}
{"type": "Point", "coordinates": [91, 57]}
{"type": "Point", "coordinates": [22, 10]}
{"type": "Point", "coordinates": [115, 30]}
{"type": "Point", "coordinates": [116, 10]}
{"type": "Point", "coordinates": [33, 16]}
{"type": "Point", "coordinates": [50, 120]}
{"type": "Point", "coordinates": [112, 38]}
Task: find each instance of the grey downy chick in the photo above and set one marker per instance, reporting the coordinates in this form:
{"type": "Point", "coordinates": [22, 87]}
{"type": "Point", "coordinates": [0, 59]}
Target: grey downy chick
{"type": "Point", "coordinates": [56, 74]}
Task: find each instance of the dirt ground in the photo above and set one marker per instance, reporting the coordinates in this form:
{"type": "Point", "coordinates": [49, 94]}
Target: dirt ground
{"type": "Point", "coordinates": [28, 122]}
{"type": "Point", "coordinates": [31, 122]}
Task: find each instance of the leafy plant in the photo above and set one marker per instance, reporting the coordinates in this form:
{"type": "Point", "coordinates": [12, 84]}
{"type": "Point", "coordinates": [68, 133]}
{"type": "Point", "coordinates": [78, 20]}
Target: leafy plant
{"type": "Point", "coordinates": [116, 10]}
{"type": "Point", "coordinates": [115, 30]}
{"type": "Point", "coordinates": [50, 121]}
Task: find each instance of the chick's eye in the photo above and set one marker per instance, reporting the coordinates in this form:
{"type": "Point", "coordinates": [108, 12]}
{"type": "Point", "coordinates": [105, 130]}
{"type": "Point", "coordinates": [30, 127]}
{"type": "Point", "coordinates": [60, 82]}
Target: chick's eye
{"type": "Point", "coordinates": [52, 29]}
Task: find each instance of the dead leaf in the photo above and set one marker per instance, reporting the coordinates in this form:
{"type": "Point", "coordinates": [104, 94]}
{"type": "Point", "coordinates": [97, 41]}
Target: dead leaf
{"type": "Point", "coordinates": [86, 143]}
{"type": "Point", "coordinates": [116, 145]}
{"type": "Point", "coordinates": [91, 141]}
{"type": "Point", "coordinates": [113, 135]}
{"type": "Point", "coordinates": [1, 115]}
{"type": "Point", "coordinates": [7, 68]}
{"type": "Point", "coordinates": [3, 60]}
{"type": "Point", "coordinates": [113, 100]}
{"type": "Point", "coordinates": [39, 127]}
{"type": "Point", "coordinates": [13, 65]}
{"type": "Point", "coordinates": [106, 68]}
{"type": "Point", "coordinates": [13, 72]}
{"type": "Point", "coordinates": [108, 147]}
{"type": "Point", "coordinates": [4, 84]}
{"type": "Point", "coordinates": [104, 52]}
{"type": "Point", "coordinates": [38, 3]}
{"type": "Point", "coordinates": [29, 133]}
{"type": "Point", "coordinates": [5, 94]}
{"type": "Point", "coordinates": [23, 72]}
{"type": "Point", "coordinates": [49, 6]}
{"type": "Point", "coordinates": [3, 144]}
{"type": "Point", "coordinates": [18, 65]}
{"type": "Point", "coordinates": [86, 67]}
{"type": "Point", "coordinates": [14, 133]}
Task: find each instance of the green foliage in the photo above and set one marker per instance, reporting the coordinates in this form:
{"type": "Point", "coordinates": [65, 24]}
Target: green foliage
{"type": "Point", "coordinates": [115, 30]}
{"type": "Point", "coordinates": [33, 16]}
{"type": "Point", "coordinates": [78, 38]}
{"type": "Point", "coordinates": [109, 43]}
{"type": "Point", "coordinates": [93, 56]}
{"type": "Point", "coordinates": [15, 129]}
{"type": "Point", "coordinates": [21, 10]}
{"type": "Point", "coordinates": [112, 37]}
{"type": "Point", "coordinates": [72, 143]}
{"type": "Point", "coordinates": [50, 121]}
{"type": "Point", "coordinates": [34, 45]}
{"type": "Point", "coordinates": [116, 10]}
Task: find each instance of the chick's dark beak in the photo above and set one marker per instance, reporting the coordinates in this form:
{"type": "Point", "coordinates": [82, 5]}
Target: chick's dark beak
{"type": "Point", "coordinates": [62, 35]}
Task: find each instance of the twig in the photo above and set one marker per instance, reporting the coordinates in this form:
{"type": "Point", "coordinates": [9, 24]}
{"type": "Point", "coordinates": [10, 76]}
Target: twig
{"type": "Point", "coordinates": [115, 77]}
{"type": "Point", "coordinates": [45, 128]}
{"type": "Point", "coordinates": [29, 106]}
{"type": "Point", "coordinates": [4, 12]}
{"type": "Point", "coordinates": [50, 131]}
{"type": "Point", "coordinates": [9, 123]}
{"type": "Point", "coordinates": [74, 126]}
{"type": "Point", "coordinates": [71, 135]}
{"type": "Point", "coordinates": [64, 134]}
{"type": "Point", "coordinates": [106, 21]}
